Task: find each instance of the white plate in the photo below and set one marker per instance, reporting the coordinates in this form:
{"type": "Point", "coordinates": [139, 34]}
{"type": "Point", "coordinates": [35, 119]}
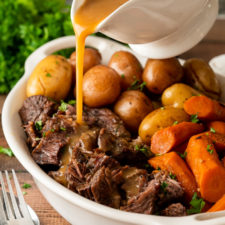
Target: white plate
{"type": "Point", "coordinates": [73, 207]}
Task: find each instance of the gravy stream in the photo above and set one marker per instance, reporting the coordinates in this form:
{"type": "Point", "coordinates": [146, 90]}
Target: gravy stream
{"type": "Point", "coordinates": [87, 18]}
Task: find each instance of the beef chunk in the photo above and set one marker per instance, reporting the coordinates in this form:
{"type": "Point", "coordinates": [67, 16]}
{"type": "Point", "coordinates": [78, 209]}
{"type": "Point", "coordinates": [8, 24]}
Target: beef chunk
{"type": "Point", "coordinates": [120, 148]}
{"type": "Point", "coordinates": [103, 190]}
{"type": "Point", "coordinates": [134, 181]}
{"type": "Point", "coordinates": [144, 202]}
{"type": "Point", "coordinates": [170, 189]}
{"type": "Point", "coordinates": [105, 118]}
{"type": "Point", "coordinates": [47, 151]}
{"type": "Point", "coordinates": [176, 209]}
{"type": "Point", "coordinates": [36, 108]}
{"type": "Point", "coordinates": [33, 138]}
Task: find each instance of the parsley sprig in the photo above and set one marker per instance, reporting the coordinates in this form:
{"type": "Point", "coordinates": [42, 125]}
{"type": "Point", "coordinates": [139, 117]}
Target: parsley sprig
{"type": "Point", "coordinates": [197, 204]}
{"type": "Point", "coordinates": [6, 151]}
{"type": "Point", "coordinates": [194, 118]}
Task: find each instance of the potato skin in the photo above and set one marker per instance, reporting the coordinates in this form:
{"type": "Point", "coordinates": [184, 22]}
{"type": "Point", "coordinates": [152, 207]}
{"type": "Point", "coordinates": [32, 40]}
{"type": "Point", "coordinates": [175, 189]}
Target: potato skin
{"type": "Point", "coordinates": [52, 77]}
{"type": "Point", "coordinates": [127, 66]}
{"type": "Point", "coordinates": [132, 106]}
{"type": "Point", "coordinates": [101, 86]}
{"type": "Point", "coordinates": [177, 94]}
{"type": "Point", "coordinates": [158, 119]}
{"type": "Point", "coordinates": [92, 57]}
{"type": "Point", "coordinates": [199, 75]}
{"type": "Point", "coordinates": [161, 73]}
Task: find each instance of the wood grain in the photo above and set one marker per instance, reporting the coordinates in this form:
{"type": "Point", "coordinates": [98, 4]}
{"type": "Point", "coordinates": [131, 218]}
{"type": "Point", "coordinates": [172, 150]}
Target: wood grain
{"type": "Point", "coordinates": [212, 45]}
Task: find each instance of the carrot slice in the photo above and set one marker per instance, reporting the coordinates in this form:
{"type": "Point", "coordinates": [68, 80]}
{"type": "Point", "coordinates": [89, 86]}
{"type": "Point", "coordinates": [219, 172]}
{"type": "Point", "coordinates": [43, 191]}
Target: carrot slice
{"type": "Point", "coordinates": [166, 139]}
{"type": "Point", "coordinates": [204, 162]}
{"type": "Point", "coordinates": [219, 205]}
{"type": "Point", "coordinates": [173, 163]}
{"type": "Point", "coordinates": [205, 108]}
{"type": "Point", "coordinates": [218, 126]}
{"type": "Point", "coordinates": [218, 140]}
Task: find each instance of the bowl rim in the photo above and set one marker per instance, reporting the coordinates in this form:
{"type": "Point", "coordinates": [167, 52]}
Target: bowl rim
{"type": "Point", "coordinates": [38, 174]}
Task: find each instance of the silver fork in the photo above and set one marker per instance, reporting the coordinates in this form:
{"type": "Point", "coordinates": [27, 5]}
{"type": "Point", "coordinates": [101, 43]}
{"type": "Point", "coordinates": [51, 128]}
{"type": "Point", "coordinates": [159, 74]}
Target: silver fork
{"type": "Point", "coordinates": [12, 211]}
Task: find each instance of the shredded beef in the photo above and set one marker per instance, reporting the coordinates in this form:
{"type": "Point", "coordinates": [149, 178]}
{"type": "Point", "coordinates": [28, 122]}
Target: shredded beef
{"type": "Point", "coordinates": [176, 209]}
{"type": "Point", "coordinates": [36, 108]}
{"type": "Point", "coordinates": [33, 138]}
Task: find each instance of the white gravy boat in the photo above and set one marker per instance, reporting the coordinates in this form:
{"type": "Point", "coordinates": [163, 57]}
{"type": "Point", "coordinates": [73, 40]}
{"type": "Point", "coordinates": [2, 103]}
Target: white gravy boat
{"type": "Point", "coordinates": [158, 28]}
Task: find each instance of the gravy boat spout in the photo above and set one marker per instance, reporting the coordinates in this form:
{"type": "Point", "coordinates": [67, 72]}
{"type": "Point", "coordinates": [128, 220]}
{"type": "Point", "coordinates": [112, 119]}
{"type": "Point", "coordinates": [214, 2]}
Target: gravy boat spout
{"type": "Point", "coordinates": [146, 24]}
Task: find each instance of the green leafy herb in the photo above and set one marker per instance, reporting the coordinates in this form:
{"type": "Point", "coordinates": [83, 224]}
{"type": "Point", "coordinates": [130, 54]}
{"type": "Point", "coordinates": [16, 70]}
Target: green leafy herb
{"type": "Point", "coordinates": [158, 168]}
{"type": "Point", "coordinates": [142, 85]}
{"type": "Point", "coordinates": [209, 149]}
{"type": "Point", "coordinates": [122, 76]}
{"type": "Point", "coordinates": [175, 123]}
{"type": "Point", "coordinates": [6, 151]}
{"type": "Point", "coordinates": [37, 139]}
{"type": "Point", "coordinates": [24, 193]}
{"type": "Point", "coordinates": [163, 186]}
{"type": "Point", "coordinates": [26, 186]}
{"type": "Point", "coordinates": [212, 130]}
{"type": "Point", "coordinates": [194, 118]}
{"type": "Point", "coordinates": [62, 128]}
{"type": "Point", "coordinates": [72, 102]}
{"type": "Point", "coordinates": [197, 204]}
{"type": "Point", "coordinates": [136, 85]}
{"type": "Point", "coordinates": [25, 26]}
{"type": "Point", "coordinates": [142, 149]}
{"type": "Point", "coordinates": [48, 75]}
{"type": "Point", "coordinates": [38, 125]}
{"type": "Point", "coordinates": [183, 156]}
{"type": "Point", "coordinates": [44, 134]}
{"type": "Point", "coordinates": [63, 106]}
{"type": "Point", "coordinates": [172, 176]}
{"type": "Point", "coordinates": [52, 130]}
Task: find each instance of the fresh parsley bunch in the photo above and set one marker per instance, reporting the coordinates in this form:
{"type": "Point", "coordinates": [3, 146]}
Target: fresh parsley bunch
{"type": "Point", "coordinates": [26, 25]}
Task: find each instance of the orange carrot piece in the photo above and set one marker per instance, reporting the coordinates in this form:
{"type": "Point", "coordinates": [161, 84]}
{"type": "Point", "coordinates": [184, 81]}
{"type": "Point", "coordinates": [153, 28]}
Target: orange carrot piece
{"type": "Point", "coordinates": [173, 163]}
{"type": "Point", "coordinates": [205, 108]}
{"type": "Point", "coordinates": [223, 161]}
{"type": "Point", "coordinates": [217, 139]}
{"type": "Point", "coordinates": [181, 148]}
{"type": "Point", "coordinates": [218, 126]}
{"type": "Point", "coordinates": [218, 206]}
{"type": "Point", "coordinates": [204, 162]}
{"type": "Point", "coordinates": [166, 139]}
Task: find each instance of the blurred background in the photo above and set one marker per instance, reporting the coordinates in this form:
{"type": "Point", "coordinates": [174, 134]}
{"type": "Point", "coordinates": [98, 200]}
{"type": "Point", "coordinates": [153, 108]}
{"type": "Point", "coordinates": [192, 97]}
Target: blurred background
{"type": "Point", "coordinates": [27, 24]}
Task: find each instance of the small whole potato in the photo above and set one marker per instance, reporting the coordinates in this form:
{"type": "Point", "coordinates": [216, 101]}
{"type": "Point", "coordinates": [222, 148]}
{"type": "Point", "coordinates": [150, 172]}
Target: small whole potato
{"type": "Point", "coordinates": [177, 94]}
{"type": "Point", "coordinates": [127, 66]}
{"type": "Point", "coordinates": [158, 119]}
{"type": "Point", "coordinates": [199, 75]}
{"type": "Point", "coordinates": [161, 73]}
{"type": "Point", "coordinates": [101, 86]}
{"type": "Point", "coordinates": [92, 57]}
{"type": "Point", "coordinates": [132, 106]}
{"type": "Point", "coordinates": [52, 77]}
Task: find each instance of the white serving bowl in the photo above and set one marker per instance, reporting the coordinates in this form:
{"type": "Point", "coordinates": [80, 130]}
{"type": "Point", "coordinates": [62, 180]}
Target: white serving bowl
{"type": "Point", "coordinates": [73, 207]}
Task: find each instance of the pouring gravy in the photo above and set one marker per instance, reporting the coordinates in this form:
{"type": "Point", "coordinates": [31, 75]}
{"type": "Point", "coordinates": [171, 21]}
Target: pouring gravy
{"type": "Point", "coordinates": [87, 18]}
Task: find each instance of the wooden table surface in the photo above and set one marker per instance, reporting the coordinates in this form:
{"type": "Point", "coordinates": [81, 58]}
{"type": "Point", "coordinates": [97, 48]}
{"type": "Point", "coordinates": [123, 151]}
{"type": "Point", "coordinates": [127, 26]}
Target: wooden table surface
{"type": "Point", "coordinates": [212, 45]}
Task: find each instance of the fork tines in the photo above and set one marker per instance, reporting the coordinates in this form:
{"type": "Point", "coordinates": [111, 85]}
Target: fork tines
{"type": "Point", "coordinates": [10, 208]}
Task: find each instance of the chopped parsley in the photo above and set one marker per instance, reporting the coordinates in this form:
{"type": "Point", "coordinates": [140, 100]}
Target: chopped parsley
{"type": "Point", "coordinates": [37, 139]}
{"type": "Point", "coordinates": [158, 168]}
{"type": "Point", "coordinates": [212, 130]}
{"type": "Point", "coordinates": [48, 75]}
{"type": "Point", "coordinates": [24, 193]}
{"type": "Point", "coordinates": [197, 204]}
{"type": "Point", "coordinates": [38, 125]}
{"type": "Point", "coordinates": [6, 151]}
{"type": "Point", "coordinates": [72, 102]}
{"type": "Point", "coordinates": [183, 156]}
{"type": "Point", "coordinates": [194, 118]}
{"type": "Point", "coordinates": [122, 76]}
{"type": "Point", "coordinates": [136, 85]}
{"type": "Point", "coordinates": [62, 128]}
{"type": "Point", "coordinates": [163, 186]}
{"type": "Point", "coordinates": [63, 106]}
{"type": "Point", "coordinates": [44, 134]}
{"type": "Point", "coordinates": [142, 85]}
{"type": "Point", "coordinates": [209, 149]}
{"type": "Point", "coordinates": [142, 149]}
{"type": "Point", "coordinates": [52, 130]}
{"type": "Point", "coordinates": [26, 186]}
{"type": "Point", "coordinates": [175, 122]}
{"type": "Point", "coordinates": [172, 176]}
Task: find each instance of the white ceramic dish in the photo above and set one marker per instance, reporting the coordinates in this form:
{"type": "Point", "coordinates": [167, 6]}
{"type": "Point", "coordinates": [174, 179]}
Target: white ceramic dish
{"type": "Point", "coordinates": [74, 208]}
